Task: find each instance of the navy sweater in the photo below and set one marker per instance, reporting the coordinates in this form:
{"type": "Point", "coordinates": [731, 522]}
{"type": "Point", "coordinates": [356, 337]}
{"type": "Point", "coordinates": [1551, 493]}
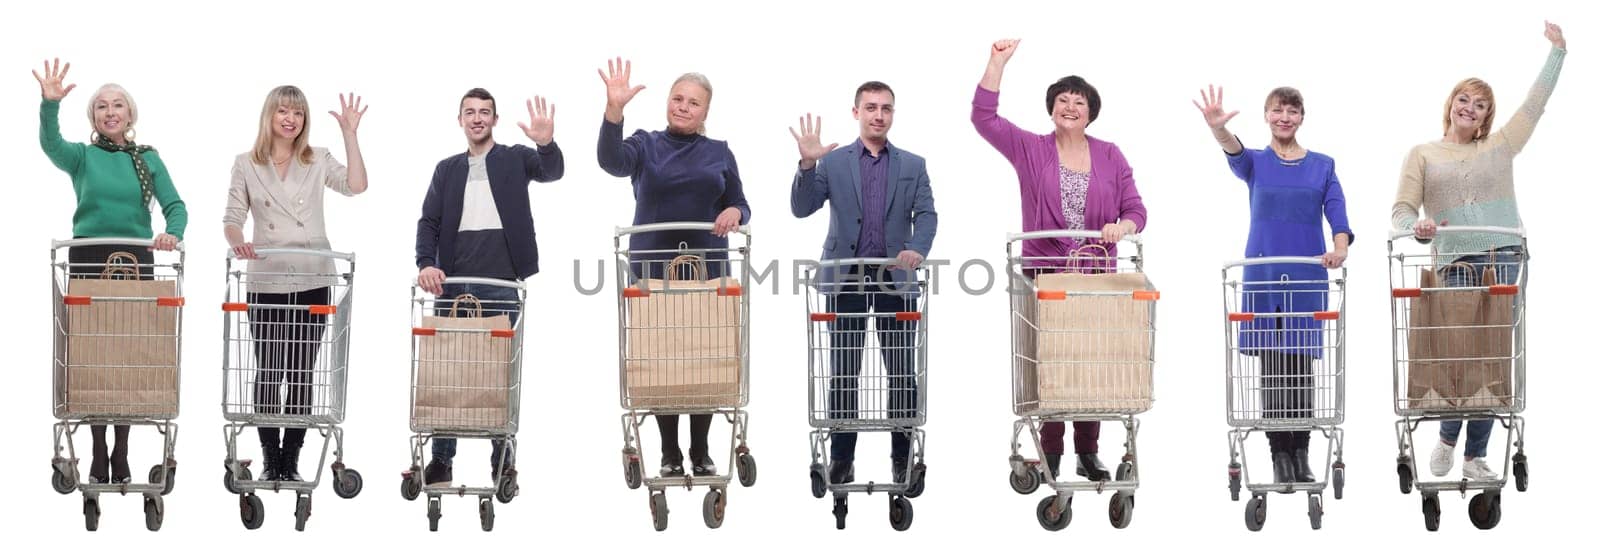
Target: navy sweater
{"type": "Point", "coordinates": [510, 169]}
{"type": "Point", "coordinates": [675, 178]}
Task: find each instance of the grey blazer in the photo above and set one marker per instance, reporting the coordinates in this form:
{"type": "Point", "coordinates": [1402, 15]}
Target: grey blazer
{"type": "Point", "coordinates": [910, 221]}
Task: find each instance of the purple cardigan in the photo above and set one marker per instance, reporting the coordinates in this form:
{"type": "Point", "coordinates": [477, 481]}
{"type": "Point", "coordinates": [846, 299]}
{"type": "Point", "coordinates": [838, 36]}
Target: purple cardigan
{"type": "Point", "coordinates": [1111, 197]}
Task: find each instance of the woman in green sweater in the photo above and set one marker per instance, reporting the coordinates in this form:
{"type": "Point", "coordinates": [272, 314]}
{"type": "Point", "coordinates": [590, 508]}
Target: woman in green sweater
{"type": "Point", "coordinates": [114, 181]}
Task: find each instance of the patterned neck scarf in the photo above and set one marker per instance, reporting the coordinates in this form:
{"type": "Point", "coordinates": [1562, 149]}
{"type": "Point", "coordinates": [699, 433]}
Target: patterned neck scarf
{"type": "Point", "coordinates": [146, 179]}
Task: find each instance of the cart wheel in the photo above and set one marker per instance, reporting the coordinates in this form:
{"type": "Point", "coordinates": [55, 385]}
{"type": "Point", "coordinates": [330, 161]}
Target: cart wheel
{"type": "Point", "coordinates": [819, 483]}
{"type": "Point", "coordinates": [1338, 482]}
{"type": "Point", "coordinates": [1519, 470]}
{"type": "Point", "coordinates": [900, 513]}
{"type": "Point", "coordinates": [658, 510]}
{"type": "Point", "coordinates": [1121, 510]}
{"type": "Point", "coordinates": [433, 514]}
{"type": "Point", "coordinates": [841, 508]}
{"type": "Point", "coordinates": [1125, 471]}
{"type": "Point", "coordinates": [154, 514]}
{"type": "Point", "coordinates": [251, 511]}
{"type": "Point", "coordinates": [1404, 470]}
{"type": "Point", "coordinates": [919, 480]}
{"type": "Point", "coordinates": [347, 484]}
{"type": "Point", "coordinates": [62, 483]}
{"type": "Point", "coordinates": [713, 508]}
{"type": "Point", "coordinates": [302, 512]}
{"type": "Point", "coordinates": [1027, 482]}
{"type": "Point", "coordinates": [1484, 510]}
{"type": "Point", "coordinates": [1234, 481]}
{"type": "Point", "coordinates": [91, 514]}
{"type": "Point", "coordinates": [1255, 513]}
{"type": "Point", "coordinates": [1430, 512]}
{"type": "Point", "coordinates": [507, 489]}
{"type": "Point", "coordinates": [1051, 518]}
{"type": "Point", "coordinates": [170, 478]}
{"type": "Point", "coordinates": [633, 473]}
{"type": "Point", "coordinates": [746, 465]}
{"type": "Point", "coordinates": [1314, 509]}
{"type": "Point", "coordinates": [486, 514]}
{"type": "Point", "coordinates": [410, 488]}
{"type": "Point", "coordinates": [232, 484]}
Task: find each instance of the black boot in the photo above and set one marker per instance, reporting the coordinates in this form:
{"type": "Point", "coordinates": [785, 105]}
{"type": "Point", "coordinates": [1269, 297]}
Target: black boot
{"type": "Point", "coordinates": [1089, 467]}
{"type": "Point", "coordinates": [99, 460]}
{"type": "Point", "coordinates": [270, 455]}
{"type": "Point", "coordinates": [289, 463]}
{"type": "Point", "coordinates": [1283, 467]}
{"type": "Point", "coordinates": [841, 471]}
{"type": "Point", "coordinates": [1054, 461]}
{"type": "Point", "coordinates": [1302, 466]}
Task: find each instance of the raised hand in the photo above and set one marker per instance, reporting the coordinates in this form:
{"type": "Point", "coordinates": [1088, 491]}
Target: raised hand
{"type": "Point", "coordinates": [1002, 50]}
{"type": "Point", "coordinates": [541, 125]}
{"type": "Point", "coordinates": [618, 93]}
{"type": "Point", "coordinates": [1552, 32]}
{"type": "Point", "coordinates": [809, 140]}
{"type": "Point", "coordinates": [349, 114]}
{"type": "Point", "coordinates": [1216, 116]}
{"type": "Point", "coordinates": [50, 85]}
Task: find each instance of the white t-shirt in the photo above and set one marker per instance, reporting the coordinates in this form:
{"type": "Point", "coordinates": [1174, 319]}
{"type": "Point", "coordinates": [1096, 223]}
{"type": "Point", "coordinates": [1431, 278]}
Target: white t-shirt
{"type": "Point", "coordinates": [477, 203]}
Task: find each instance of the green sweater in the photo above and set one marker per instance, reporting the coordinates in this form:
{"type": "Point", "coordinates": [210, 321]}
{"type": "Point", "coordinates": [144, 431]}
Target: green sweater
{"type": "Point", "coordinates": [110, 202]}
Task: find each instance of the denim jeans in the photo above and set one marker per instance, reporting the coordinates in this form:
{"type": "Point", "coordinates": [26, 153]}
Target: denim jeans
{"type": "Point", "coordinates": [496, 300]}
{"type": "Point", "coordinates": [1507, 265]}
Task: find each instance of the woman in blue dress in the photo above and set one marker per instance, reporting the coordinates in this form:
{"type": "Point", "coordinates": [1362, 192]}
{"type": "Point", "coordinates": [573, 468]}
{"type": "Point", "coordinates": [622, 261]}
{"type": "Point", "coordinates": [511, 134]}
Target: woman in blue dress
{"type": "Point", "coordinates": [1291, 191]}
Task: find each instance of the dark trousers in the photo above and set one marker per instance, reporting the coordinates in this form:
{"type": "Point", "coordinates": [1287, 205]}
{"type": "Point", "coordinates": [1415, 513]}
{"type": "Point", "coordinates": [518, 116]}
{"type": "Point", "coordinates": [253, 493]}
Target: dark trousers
{"type": "Point", "coordinates": [286, 345]}
{"type": "Point", "coordinates": [1287, 387]}
{"type": "Point", "coordinates": [897, 344]}
{"type": "Point", "coordinates": [1085, 437]}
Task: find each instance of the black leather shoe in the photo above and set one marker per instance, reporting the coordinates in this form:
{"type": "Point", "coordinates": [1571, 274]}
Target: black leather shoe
{"type": "Point", "coordinates": [1089, 467]}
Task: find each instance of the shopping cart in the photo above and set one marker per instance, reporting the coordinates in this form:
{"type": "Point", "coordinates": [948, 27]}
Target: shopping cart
{"type": "Point", "coordinates": [466, 376]}
{"type": "Point", "coordinates": [285, 364]}
{"type": "Point", "coordinates": [117, 339]}
{"type": "Point", "coordinates": [1083, 344]}
{"type": "Point", "coordinates": [864, 381]}
{"type": "Point", "coordinates": [1285, 373]}
{"type": "Point", "coordinates": [684, 348]}
{"type": "Point", "coordinates": [1459, 354]}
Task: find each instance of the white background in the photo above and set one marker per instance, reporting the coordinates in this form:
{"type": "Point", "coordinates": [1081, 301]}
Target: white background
{"type": "Point", "coordinates": [1373, 77]}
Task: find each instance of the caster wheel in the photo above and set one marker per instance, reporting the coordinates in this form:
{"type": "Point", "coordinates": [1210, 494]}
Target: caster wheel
{"type": "Point", "coordinates": [1519, 471]}
{"type": "Point", "coordinates": [1235, 483]}
{"type": "Point", "coordinates": [1484, 510]}
{"type": "Point", "coordinates": [633, 473]}
{"type": "Point", "coordinates": [410, 488]}
{"type": "Point", "coordinates": [1121, 510]}
{"type": "Point", "coordinates": [61, 482]}
{"type": "Point", "coordinates": [1430, 512]}
{"type": "Point", "coordinates": [302, 512]}
{"type": "Point", "coordinates": [434, 514]}
{"type": "Point", "coordinates": [1314, 510]}
{"type": "Point", "coordinates": [919, 481]}
{"type": "Point", "coordinates": [232, 484]}
{"type": "Point", "coordinates": [251, 512]}
{"type": "Point", "coordinates": [746, 466]}
{"type": "Point", "coordinates": [1338, 481]}
{"type": "Point", "coordinates": [713, 508]}
{"type": "Point", "coordinates": [91, 514]}
{"type": "Point", "coordinates": [841, 508]}
{"type": "Point", "coordinates": [1255, 513]}
{"type": "Point", "coordinates": [507, 489]}
{"type": "Point", "coordinates": [658, 510]}
{"type": "Point", "coordinates": [900, 513]}
{"type": "Point", "coordinates": [486, 515]}
{"type": "Point", "coordinates": [1125, 471]}
{"type": "Point", "coordinates": [154, 514]}
{"type": "Point", "coordinates": [1404, 470]}
{"type": "Point", "coordinates": [1027, 482]}
{"type": "Point", "coordinates": [1052, 518]}
{"type": "Point", "coordinates": [347, 484]}
{"type": "Point", "coordinates": [819, 483]}
{"type": "Point", "coordinates": [167, 480]}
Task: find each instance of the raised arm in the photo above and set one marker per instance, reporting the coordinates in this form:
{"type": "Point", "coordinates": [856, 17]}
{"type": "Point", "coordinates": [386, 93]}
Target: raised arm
{"type": "Point", "coordinates": [1519, 129]}
{"type": "Point", "coordinates": [351, 180]}
{"type": "Point", "coordinates": [810, 189]}
{"type": "Point", "coordinates": [999, 132]}
{"type": "Point", "coordinates": [52, 88]}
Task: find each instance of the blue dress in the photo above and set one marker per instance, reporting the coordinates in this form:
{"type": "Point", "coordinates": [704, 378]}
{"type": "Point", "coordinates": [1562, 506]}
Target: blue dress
{"type": "Point", "coordinates": [1288, 201]}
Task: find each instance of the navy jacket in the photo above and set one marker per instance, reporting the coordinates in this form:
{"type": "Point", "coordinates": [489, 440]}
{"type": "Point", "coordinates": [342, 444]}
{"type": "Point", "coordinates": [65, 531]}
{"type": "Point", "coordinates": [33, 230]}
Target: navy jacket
{"type": "Point", "coordinates": [510, 169]}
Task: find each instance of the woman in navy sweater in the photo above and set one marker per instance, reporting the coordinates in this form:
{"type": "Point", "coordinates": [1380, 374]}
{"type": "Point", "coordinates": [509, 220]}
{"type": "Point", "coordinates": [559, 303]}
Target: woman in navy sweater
{"type": "Point", "coordinates": [678, 174]}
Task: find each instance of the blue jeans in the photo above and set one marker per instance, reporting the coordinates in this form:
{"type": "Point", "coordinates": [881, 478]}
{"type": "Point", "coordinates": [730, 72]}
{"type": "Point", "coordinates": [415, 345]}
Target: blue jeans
{"type": "Point", "coordinates": [897, 341]}
{"type": "Point", "coordinates": [496, 300]}
{"type": "Point", "coordinates": [1507, 265]}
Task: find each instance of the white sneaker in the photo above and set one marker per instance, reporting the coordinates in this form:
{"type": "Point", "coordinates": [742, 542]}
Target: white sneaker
{"type": "Point", "coordinates": [1444, 457]}
{"type": "Point", "coordinates": [1478, 469]}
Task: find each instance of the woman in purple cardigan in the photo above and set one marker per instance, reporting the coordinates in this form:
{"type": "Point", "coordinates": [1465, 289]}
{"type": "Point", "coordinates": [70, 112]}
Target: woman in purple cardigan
{"type": "Point", "coordinates": [1069, 181]}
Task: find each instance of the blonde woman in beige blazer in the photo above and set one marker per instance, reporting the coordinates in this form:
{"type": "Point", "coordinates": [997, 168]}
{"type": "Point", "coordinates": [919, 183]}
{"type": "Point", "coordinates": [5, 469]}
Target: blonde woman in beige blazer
{"type": "Point", "coordinates": [280, 185]}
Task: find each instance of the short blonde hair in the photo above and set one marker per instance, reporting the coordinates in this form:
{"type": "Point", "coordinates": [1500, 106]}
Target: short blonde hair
{"type": "Point", "coordinates": [699, 79]}
{"type": "Point", "coordinates": [133, 108]}
{"type": "Point", "coordinates": [288, 96]}
{"type": "Point", "coordinates": [1477, 86]}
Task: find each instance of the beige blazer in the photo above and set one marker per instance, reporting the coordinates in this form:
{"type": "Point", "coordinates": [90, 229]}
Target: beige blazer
{"type": "Point", "coordinates": [287, 213]}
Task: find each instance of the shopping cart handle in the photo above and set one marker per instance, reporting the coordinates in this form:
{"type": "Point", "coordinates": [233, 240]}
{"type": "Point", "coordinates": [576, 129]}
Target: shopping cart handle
{"type": "Point", "coordinates": [859, 261]}
{"type": "Point", "coordinates": [264, 253]}
{"type": "Point", "coordinates": [81, 242]}
{"type": "Point", "coordinates": [1014, 237]}
{"type": "Point", "coordinates": [483, 281]}
{"type": "Point", "coordinates": [1398, 234]}
{"type": "Point", "coordinates": [1254, 261]}
{"type": "Point", "coordinates": [682, 225]}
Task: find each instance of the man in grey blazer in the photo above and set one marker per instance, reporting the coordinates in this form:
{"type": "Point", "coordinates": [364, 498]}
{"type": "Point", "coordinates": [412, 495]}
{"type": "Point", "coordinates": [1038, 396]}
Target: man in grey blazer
{"type": "Point", "coordinates": [882, 207]}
